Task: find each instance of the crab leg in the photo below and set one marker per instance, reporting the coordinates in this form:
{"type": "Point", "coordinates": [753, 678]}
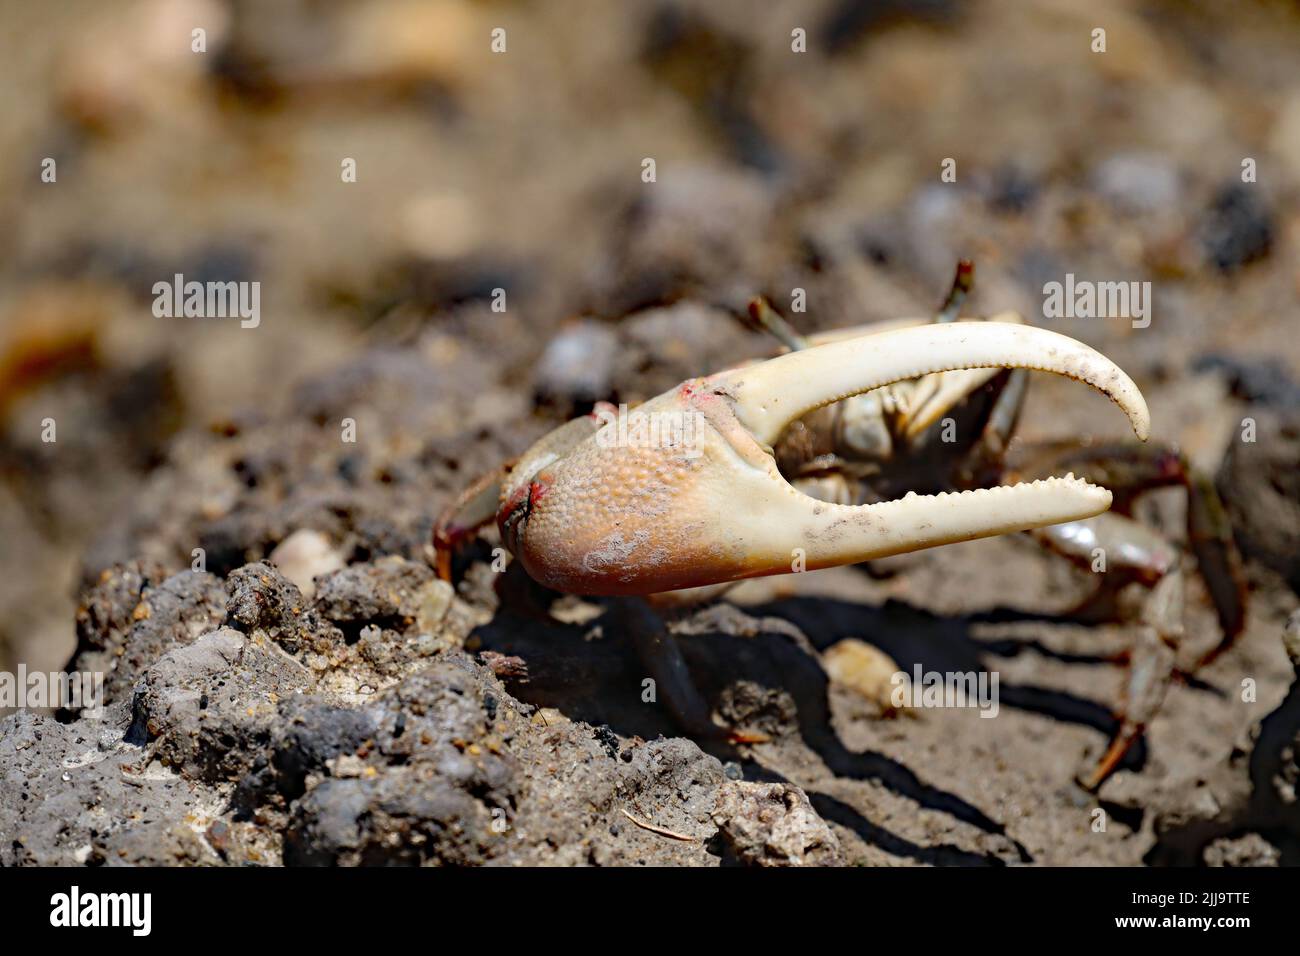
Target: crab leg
{"type": "Point", "coordinates": [1210, 534]}
{"type": "Point", "coordinates": [1151, 669]}
{"type": "Point", "coordinates": [460, 520]}
{"type": "Point", "coordinates": [1137, 553]}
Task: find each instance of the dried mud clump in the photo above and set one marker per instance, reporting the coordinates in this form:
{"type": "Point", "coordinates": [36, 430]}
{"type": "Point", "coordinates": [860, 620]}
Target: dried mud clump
{"type": "Point", "coordinates": [135, 613]}
{"type": "Point", "coordinates": [773, 824]}
{"type": "Point", "coordinates": [249, 725]}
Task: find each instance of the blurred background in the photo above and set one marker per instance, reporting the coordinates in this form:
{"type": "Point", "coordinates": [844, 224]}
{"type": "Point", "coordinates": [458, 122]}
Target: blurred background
{"type": "Point", "coordinates": [522, 171]}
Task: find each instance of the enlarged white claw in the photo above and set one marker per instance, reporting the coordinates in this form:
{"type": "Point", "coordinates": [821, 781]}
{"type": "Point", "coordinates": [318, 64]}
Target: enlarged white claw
{"type": "Point", "coordinates": [630, 517]}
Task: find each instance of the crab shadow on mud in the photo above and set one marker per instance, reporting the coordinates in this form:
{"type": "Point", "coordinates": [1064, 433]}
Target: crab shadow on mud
{"type": "Point", "coordinates": [759, 670]}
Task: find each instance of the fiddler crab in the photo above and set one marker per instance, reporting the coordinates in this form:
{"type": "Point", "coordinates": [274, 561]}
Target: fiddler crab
{"type": "Point", "coordinates": [829, 455]}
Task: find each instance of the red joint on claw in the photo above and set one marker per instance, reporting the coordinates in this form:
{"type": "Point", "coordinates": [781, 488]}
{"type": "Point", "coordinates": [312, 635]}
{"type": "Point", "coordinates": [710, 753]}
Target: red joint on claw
{"type": "Point", "coordinates": [536, 492]}
{"type": "Point", "coordinates": [513, 515]}
{"type": "Point", "coordinates": [514, 509]}
{"type": "Point", "coordinates": [513, 502]}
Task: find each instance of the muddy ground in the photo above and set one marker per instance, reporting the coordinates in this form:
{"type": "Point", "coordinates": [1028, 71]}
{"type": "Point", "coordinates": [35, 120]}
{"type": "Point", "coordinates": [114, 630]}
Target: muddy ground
{"type": "Point", "coordinates": [314, 695]}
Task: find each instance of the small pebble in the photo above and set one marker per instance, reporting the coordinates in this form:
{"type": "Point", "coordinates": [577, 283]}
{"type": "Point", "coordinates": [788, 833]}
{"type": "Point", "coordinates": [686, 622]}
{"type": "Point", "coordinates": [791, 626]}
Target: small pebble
{"type": "Point", "coordinates": [304, 556]}
{"type": "Point", "coordinates": [578, 364]}
{"type": "Point", "coordinates": [1138, 182]}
